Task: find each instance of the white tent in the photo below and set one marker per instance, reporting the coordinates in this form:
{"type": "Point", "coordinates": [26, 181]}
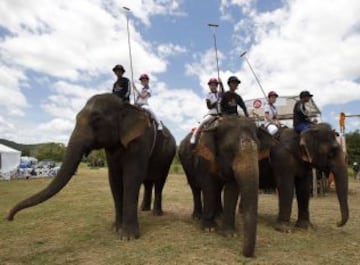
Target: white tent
{"type": "Point", "coordinates": [9, 161]}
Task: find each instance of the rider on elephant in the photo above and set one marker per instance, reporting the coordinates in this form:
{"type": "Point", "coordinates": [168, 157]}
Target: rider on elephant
{"type": "Point", "coordinates": [121, 87]}
{"type": "Point", "coordinates": [301, 116]}
{"type": "Point", "coordinates": [271, 121]}
{"type": "Point", "coordinates": [212, 103]}
{"type": "Point", "coordinates": [143, 97]}
{"type": "Point", "coordinates": [230, 100]}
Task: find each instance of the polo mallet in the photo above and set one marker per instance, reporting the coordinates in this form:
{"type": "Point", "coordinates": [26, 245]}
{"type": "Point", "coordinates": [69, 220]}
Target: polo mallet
{"type": "Point", "coordinates": [214, 26]}
{"type": "Point", "coordinates": [127, 11]}
{"type": "Point", "coordinates": [243, 55]}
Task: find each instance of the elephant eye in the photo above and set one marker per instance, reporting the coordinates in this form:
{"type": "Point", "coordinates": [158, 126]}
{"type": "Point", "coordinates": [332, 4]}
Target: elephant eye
{"type": "Point", "coordinates": [333, 152]}
{"type": "Point", "coordinates": [95, 121]}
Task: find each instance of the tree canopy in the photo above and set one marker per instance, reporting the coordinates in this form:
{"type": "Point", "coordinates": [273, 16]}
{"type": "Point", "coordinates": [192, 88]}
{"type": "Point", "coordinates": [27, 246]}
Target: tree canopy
{"type": "Point", "coordinates": [353, 146]}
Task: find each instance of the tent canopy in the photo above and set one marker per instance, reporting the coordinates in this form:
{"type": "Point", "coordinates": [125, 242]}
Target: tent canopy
{"type": "Point", "coordinates": [9, 161]}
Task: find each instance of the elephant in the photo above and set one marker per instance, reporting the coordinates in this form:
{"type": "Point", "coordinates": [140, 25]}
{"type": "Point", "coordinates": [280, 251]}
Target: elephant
{"type": "Point", "coordinates": [225, 156]}
{"type": "Point", "coordinates": [292, 159]}
{"type": "Point", "coordinates": [135, 151]}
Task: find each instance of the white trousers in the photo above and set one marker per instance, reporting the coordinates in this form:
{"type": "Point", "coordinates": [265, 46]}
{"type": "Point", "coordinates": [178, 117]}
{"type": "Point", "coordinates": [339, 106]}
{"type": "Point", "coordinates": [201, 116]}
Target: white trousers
{"type": "Point", "coordinates": [148, 109]}
{"type": "Point", "coordinates": [208, 118]}
{"type": "Point", "coordinates": [272, 129]}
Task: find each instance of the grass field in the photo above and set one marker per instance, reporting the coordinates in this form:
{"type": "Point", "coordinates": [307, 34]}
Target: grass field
{"type": "Point", "coordinates": [74, 227]}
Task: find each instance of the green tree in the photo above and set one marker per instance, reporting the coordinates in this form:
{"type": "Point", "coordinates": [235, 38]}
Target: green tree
{"type": "Point", "coordinates": [353, 146]}
{"type": "Point", "coordinates": [53, 151]}
{"type": "Point", "coordinates": [96, 158]}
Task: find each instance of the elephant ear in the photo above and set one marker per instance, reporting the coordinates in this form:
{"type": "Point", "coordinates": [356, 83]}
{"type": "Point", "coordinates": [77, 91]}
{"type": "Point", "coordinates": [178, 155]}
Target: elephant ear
{"type": "Point", "coordinates": [265, 139]}
{"type": "Point", "coordinates": [133, 123]}
{"type": "Point", "coordinates": [309, 144]}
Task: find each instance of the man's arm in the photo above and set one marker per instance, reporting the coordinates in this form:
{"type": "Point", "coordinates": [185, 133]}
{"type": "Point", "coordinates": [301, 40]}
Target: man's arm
{"type": "Point", "coordinates": [300, 111]}
{"type": "Point", "coordinates": [223, 101]}
{"type": "Point", "coordinates": [125, 91]}
{"type": "Point", "coordinates": [243, 106]}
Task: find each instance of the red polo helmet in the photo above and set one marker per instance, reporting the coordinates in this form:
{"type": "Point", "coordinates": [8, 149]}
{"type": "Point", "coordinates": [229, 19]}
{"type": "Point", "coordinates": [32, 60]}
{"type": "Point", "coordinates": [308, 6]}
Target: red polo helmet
{"type": "Point", "coordinates": [213, 81]}
{"type": "Point", "coordinates": [144, 76]}
{"type": "Point", "coordinates": [272, 94]}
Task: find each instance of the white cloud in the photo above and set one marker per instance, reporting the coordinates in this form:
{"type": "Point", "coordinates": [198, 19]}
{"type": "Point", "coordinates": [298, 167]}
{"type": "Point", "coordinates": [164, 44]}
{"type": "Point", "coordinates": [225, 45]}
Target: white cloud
{"type": "Point", "coordinates": [68, 99]}
{"type": "Point", "coordinates": [5, 125]}
{"type": "Point", "coordinates": [204, 67]}
{"type": "Point", "coordinates": [57, 41]}
{"type": "Point", "coordinates": [70, 45]}
{"type": "Point", "coordinates": [12, 98]}
{"type": "Point", "coordinates": [225, 5]}
{"type": "Point", "coordinates": [57, 129]}
{"type": "Point", "coordinates": [306, 45]}
{"type": "Point", "coordinates": [170, 49]}
{"type": "Point", "coordinates": [144, 10]}
{"type": "Point", "coordinates": [182, 107]}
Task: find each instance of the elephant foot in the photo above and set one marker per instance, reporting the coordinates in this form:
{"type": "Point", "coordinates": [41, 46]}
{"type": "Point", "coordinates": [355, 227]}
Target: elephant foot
{"type": "Point", "coordinates": [219, 213]}
{"type": "Point", "coordinates": [283, 227]}
{"type": "Point", "coordinates": [116, 226]}
{"type": "Point", "coordinates": [129, 233]}
{"type": "Point", "coordinates": [304, 224]}
{"type": "Point", "coordinates": [209, 226]}
{"type": "Point", "coordinates": [145, 207]}
{"type": "Point", "coordinates": [229, 232]}
{"type": "Point", "coordinates": [196, 215]}
{"type": "Point", "coordinates": [157, 212]}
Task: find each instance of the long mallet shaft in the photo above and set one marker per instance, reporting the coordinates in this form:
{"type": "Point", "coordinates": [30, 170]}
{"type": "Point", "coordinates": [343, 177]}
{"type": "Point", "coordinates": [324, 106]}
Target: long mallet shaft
{"type": "Point", "coordinates": [243, 55]}
{"type": "Point", "coordinates": [214, 26]}
{"type": "Point", "coordinates": [129, 46]}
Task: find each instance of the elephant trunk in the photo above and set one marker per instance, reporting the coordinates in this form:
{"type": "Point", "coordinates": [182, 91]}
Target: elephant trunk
{"type": "Point", "coordinates": [72, 159]}
{"type": "Point", "coordinates": [341, 183]}
{"type": "Point", "coordinates": [246, 171]}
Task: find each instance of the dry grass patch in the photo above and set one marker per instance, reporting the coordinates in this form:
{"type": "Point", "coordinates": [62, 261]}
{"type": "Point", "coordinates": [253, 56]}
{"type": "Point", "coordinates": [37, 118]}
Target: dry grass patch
{"type": "Point", "coordinates": [74, 227]}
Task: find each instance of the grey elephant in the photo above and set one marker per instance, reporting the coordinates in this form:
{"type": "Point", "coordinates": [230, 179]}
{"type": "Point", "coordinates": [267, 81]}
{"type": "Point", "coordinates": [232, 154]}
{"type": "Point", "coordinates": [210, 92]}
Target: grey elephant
{"type": "Point", "coordinates": [292, 159]}
{"type": "Point", "coordinates": [225, 156]}
{"type": "Point", "coordinates": [135, 153]}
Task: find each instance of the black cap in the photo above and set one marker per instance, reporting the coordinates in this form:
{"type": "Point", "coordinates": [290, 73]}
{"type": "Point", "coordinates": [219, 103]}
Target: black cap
{"type": "Point", "coordinates": [233, 79]}
{"type": "Point", "coordinates": [118, 67]}
{"type": "Point", "coordinates": [304, 94]}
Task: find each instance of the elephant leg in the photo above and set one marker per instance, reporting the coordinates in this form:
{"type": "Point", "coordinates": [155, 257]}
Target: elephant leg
{"type": "Point", "coordinates": [303, 195]}
{"type": "Point", "coordinates": [116, 186]}
{"type": "Point", "coordinates": [231, 195]}
{"type": "Point", "coordinates": [197, 212]}
{"type": "Point", "coordinates": [241, 206]}
{"type": "Point", "coordinates": [159, 185]}
{"type": "Point", "coordinates": [134, 174]}
{"type": "Point", "coordinates": [208, 216]}
{"type": "Point", "coordinates": [146, 202]}
{"type": "Point", "coordinates": [285, 185]}
{"type": "Point", "coordinates": [218, 204]}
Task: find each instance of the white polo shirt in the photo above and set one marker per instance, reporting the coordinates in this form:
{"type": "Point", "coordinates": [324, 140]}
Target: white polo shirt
{"type": "Point", "coordinates": [271, 109]}
{"type": "Point", "coordinates": [213, 97]}
{"type": "Point", "coordinates": [143, 101]}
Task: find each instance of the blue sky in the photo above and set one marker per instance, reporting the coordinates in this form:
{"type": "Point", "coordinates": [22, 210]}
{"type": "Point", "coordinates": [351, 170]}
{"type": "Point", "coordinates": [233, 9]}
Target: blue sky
{"type": "Point", "coordinates": [54, 55]}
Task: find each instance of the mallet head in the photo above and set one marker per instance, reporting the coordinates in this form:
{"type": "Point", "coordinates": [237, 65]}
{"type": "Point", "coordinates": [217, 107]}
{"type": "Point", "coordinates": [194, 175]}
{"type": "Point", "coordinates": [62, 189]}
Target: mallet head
{"type": "Point", "coordinates": [241, 55]}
